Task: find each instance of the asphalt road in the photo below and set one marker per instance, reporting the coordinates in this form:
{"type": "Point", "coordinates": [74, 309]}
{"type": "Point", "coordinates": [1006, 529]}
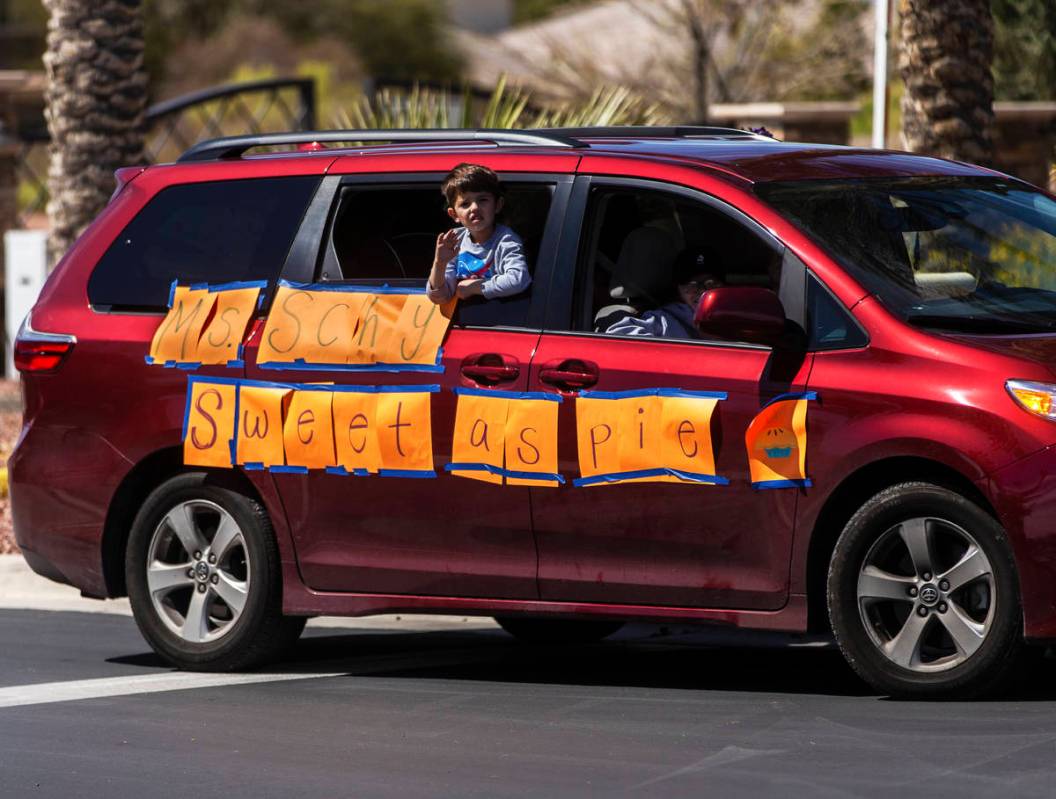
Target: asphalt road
{"type": "Point", "coordinates": [87, 711]}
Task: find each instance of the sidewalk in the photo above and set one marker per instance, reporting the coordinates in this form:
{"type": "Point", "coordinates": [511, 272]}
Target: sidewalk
{"type": "Point", "coordinates": [21, 589]}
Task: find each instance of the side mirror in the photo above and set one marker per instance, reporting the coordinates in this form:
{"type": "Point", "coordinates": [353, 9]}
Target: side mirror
{"type": "Point", "coordinates": [741, 313]}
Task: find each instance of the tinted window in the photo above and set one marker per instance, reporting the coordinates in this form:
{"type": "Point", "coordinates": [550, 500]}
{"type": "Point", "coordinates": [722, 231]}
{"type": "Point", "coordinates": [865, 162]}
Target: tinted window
{"type": "Point", "coordinates": [646, 256]}
{"type": "Point", "coordinates": [966, 254]}
{"type": "Point", "coordinates": [198, 233]}
{"type": "Point", "coordinates": [831, 325]}
{"type": "Point", "coordinates": [387, 235]}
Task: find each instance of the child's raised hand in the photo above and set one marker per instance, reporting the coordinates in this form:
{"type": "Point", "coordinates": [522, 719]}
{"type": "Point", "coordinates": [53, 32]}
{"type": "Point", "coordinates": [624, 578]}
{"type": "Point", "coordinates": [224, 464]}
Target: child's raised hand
{"type": "Point", "coordinates": [447, 245]}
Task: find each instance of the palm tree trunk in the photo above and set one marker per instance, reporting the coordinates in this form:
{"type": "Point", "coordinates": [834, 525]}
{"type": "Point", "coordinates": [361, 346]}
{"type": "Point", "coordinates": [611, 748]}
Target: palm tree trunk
{"type": "Point", "coordinates": [95, 100]}
{"type": "Point", "coordinates": [946, 53]}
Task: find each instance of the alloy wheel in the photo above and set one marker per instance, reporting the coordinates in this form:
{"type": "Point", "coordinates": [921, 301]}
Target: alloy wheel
{"type": "Point", "coordinates": [926, 594]}
{"type": "Point", "coordinates": [198, 571]}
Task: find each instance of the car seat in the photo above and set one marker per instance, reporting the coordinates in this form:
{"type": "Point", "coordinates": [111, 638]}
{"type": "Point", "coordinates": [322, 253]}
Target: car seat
{"type": "Point", "coordinates": [642, 276]}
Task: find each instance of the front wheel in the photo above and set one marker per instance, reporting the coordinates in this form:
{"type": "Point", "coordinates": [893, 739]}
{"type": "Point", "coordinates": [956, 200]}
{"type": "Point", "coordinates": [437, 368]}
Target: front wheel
{"type": "Point", "coordinates": [923, 596]}
{"type": "Point", "coordinates": [204, 578]}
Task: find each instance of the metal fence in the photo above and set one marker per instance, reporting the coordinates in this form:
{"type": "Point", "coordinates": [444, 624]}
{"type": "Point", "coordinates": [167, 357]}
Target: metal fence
{"type": "Point", "coordinates": [172, 126]}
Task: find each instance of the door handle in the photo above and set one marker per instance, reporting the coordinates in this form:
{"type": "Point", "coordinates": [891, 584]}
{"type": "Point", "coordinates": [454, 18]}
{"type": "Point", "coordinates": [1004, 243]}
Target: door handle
{"type": "Point", "coordinates": [489, 368]}
{"type": "Point", "coordinates": [569, 375]}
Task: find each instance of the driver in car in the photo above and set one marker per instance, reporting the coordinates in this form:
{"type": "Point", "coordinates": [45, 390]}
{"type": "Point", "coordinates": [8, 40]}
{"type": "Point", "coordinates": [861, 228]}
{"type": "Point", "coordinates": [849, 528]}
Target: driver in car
{"type": "Point", "coordinates": [696, 270]}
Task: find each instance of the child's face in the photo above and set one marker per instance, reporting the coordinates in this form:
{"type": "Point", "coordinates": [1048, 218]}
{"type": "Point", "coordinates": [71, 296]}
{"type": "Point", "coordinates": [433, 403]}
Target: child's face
{"type": "Point", "coordinates": [693, 289]}
{"type": "Point", "coordinates": [475, 211]}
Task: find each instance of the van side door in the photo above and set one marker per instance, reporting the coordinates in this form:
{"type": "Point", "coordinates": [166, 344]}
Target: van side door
{"type": "Point", "coordinates": [715, 543]}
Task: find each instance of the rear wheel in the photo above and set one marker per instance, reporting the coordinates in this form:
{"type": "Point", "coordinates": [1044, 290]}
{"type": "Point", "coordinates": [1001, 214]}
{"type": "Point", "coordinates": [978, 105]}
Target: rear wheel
{"type": "Point", "coordinates": [923, 596]}
{"type": "Point", "coordinates": [204, 578]}
{"type": "Point", "coordinates": [534, 630]}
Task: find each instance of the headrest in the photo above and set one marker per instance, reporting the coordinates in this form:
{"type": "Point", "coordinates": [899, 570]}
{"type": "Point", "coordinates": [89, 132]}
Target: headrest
{"type": "Point", "coordinates": [643, 268]}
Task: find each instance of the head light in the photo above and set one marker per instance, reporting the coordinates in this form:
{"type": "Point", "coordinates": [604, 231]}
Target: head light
{"type": "Point", "coordinates": [1038, 398]}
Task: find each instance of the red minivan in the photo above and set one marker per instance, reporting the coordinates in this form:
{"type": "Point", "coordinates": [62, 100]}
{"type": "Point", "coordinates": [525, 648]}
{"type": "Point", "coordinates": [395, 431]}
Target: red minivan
{"type": "Point", "coordinates": [914, 299]}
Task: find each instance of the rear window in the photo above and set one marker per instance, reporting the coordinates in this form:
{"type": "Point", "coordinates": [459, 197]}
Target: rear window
{"type": "Point", "coordinates": [198, 233]}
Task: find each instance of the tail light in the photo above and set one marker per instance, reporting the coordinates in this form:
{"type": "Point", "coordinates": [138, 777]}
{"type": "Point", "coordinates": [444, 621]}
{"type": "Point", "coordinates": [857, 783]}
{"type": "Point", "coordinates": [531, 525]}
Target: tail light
{"type": "Point", "coordinates": [40, 352]}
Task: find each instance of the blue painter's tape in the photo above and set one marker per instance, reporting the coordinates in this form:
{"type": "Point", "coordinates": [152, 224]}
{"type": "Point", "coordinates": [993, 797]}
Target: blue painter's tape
{"type": "Point", "coordinates": [198, 286]}
{"type": "Point", "coordinates": [239, 364]}
{"type": "Point", "coordinates": [654, 392]}
{"type": "Point", "coordinates": [149, 360]}
{"type": "Point", "coordinates": [172, 294]}
{"type": "Point", "coordinates": [473, 467]}
{"type": "Point", "coordinates": [289, 469]}
{"type": "Point", "coordinates": [497, 470]}
{"type": "Point", "coordinates": [614, 395]}
{"type": "Point", "coordinates": [525, 395]}
{"type": "Point", "coordinates": [387, 289]}
{"type": "Point", "coordinates": [557, 478]}
{"type": "Point", "coordinates": [429, 388]}
{"type": "Point", "coordinates": [187, 409]}
{"type": "Point", "coordinates": [234, 433]}
{"type": "Point", "coordinates": [254, 466]}
{"type": "Point", "coordinates": [220, 381]}
{"type": "Point", "coordinates": [190, 366]}
{"type": "Point", "coordinates": [300, 366]}
{"type": "Point", "coordinates": [338, 470]}
{"type": "Point", "coordinates": [765, 485]}
{"type": "Point", "coordinates": [678, 392]}
{"type": "Point", "coordinates": [800, 395]}
{"type": "Point", "coordinates": [238, 284]}
{"type": "Point", "coordinates": [411, 473]}
{"type": "Point", "coordinates": [361, 473]}
{"type": "Point", "coordinates": [615, 477]}
{"type": "Point", "coordinates": [350, 288]}
{"type": "Point", "coordinates": [696, 477]}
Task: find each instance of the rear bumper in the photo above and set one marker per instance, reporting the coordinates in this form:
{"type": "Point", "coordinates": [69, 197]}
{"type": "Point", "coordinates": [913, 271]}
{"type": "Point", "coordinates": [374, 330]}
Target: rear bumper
{"type": "Point", "coordinates": [1024, 496]}
{"type": "Point", "coordinates": [61, 481]}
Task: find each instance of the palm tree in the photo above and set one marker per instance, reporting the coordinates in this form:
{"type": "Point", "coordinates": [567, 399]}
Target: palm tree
{"type": "Point", "coordinates": [946, 54]}
{"type": "Point", "coordinates": [95, 100]}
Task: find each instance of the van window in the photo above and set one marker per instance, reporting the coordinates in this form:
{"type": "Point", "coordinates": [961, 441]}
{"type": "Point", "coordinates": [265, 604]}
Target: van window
{"type": "Point", "coordinates": [831, 325]}
{"type": "Point", "coordinates": [386, 234]}
{"type": "Point", "coordinates": [201, 233]}
{"type": "Point", "coordinates": [965, 254]}
{"type": "Point", "coordinates": [640, 245]}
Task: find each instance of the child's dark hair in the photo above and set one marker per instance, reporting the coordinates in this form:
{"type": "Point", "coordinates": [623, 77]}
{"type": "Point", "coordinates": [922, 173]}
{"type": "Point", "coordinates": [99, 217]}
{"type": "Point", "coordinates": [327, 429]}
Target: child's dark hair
{"type": "Point", "coordinates": [470, 177]}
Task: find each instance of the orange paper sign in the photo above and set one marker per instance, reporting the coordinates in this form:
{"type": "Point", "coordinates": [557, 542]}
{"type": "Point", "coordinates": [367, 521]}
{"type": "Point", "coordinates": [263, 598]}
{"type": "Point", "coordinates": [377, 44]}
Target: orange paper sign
{"type": "Point", "coordinates": [505, 436]}
{"type": "Point", "coordinates": [531, 442]}
{"type": "Point", "coordinates": [260, 425]}
{"type": "Point", "coordinates": [176, 339]}
{"type": "Point", "coordinates": [209, 426]}
{"type": "Point", "coordinates": [316, 327]}
{"type": "Point", "coordinates": [308, 431]}
{"type": "Point", "coordinates": [356, 431]}
{"type": "Point", "coordinates": [405, 434]}
{"type": "Point", "coordinates": [661, 435]}
{"type": "Point", "coordinates": [418, 331]}
{"type": "Point", "coordinates": [777, 442]}
{"type": "Point", "coordinates": [221, 340]}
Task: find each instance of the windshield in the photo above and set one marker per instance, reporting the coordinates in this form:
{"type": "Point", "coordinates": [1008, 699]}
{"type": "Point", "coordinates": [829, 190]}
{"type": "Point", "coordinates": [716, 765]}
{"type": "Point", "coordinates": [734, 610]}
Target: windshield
{"type": "Point", "coordinates": [965, 254]}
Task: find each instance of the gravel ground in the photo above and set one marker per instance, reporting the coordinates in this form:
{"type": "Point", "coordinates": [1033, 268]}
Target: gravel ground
{"type": "Point", "coordinates": [10, 423]}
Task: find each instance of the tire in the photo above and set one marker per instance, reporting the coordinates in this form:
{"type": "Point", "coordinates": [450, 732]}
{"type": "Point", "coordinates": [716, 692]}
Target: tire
{"type": "Point", "coordinates": [543, 631]}
{"type": "Point", "coordinates": [219, 611]}
{"type": "Point", "coordinates": [923, 596]}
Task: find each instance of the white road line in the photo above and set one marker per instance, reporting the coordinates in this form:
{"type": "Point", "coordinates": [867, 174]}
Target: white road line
{"type": "Point", "coordinates": [77, 690]}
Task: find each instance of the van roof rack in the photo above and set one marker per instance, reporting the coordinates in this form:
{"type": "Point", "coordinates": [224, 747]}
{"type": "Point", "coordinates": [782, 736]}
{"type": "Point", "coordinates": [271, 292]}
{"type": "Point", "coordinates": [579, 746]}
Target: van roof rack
{"type": "Point", "coordinates": [656, 132]}
{"type": "Point", "coordinates": [233, 147]}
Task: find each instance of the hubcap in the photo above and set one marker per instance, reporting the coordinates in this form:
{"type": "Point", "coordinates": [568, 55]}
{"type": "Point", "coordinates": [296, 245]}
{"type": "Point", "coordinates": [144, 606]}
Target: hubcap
{"type": "Point", "coordinates": [926, 595]}
{"type": "Point", "coordinates": [198, 571]}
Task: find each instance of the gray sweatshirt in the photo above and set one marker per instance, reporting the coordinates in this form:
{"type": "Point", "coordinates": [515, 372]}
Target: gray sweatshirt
{"type": "Point", "coordinates": [499, 261]}
{"type": "Point", "coordinates": [674, 320]}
